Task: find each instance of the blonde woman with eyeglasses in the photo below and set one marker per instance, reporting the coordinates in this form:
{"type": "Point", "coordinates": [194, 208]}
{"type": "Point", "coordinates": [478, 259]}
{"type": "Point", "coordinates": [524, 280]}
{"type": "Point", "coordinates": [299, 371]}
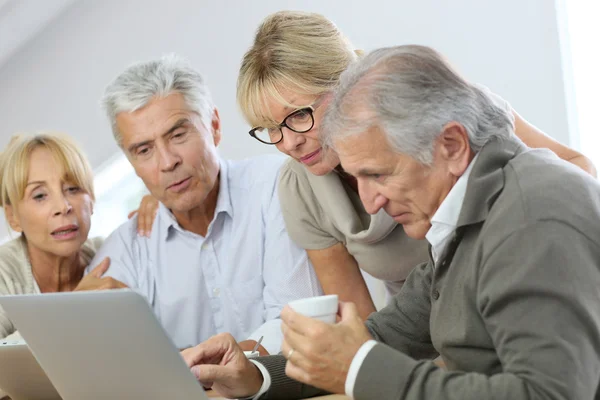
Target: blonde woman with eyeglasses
{"type": "Point", "coordinates": [283, 90]}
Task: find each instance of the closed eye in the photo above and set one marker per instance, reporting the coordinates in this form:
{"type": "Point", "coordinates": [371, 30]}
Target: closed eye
{"type": "Point", "coordinates": [74, 189]}
{"type": "Point", "coordinates": [179, 135]}
{"type": "Point", "coordinates": [377, 177]}
{"type": "Point", "coordinates": [141, 151]}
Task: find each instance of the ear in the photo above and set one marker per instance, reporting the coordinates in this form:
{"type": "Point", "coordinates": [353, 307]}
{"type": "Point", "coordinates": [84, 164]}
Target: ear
{"type": "Point", "coordinates": [216, 127]}
{"type": "Point", "coordinates": [454, 148]}
{"type": "Point", "coordinates": [12, 218]}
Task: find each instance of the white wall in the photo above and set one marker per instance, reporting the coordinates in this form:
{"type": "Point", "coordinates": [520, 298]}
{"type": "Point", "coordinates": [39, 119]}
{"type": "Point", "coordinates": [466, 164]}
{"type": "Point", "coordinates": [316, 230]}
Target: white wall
{"type": "Point", "coordinates": [56, 80]}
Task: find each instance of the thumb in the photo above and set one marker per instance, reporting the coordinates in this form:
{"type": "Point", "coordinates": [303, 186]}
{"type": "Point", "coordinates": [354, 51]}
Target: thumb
{"type": "Point", "coordinates": [209, 373]}
{"type": "Point", "coordinates": [101, 268]}
{"type": "Point", "coordinates": [347, 311]}
{"type": "Point", "coordinates": [132, 214]}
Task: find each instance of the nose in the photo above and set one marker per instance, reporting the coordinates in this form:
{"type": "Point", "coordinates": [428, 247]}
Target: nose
{"type": "Point", "coordinates": [291, 140]}
{"type": "Point", "coordinates": [372, 200]}
{"type": "Point", "coordinates": [63, 206]}
{"type": "Point", "coordinates": [169, 160]}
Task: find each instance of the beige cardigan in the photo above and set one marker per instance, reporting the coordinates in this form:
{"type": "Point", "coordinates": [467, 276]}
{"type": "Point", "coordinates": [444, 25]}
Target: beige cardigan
{"type": "Point", "coordinates": [16, 276]}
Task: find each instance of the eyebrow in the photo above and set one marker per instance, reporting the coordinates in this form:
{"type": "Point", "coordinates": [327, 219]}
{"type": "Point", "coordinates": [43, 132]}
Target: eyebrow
{"type": "Point", "coordinates": [178, 124]}
{"type": "Point", "coordinates": [35, 183]}
{"type": "Point", "coordinates": [287, 107]}
{"type": "Point", "coordinates": [365, 172]}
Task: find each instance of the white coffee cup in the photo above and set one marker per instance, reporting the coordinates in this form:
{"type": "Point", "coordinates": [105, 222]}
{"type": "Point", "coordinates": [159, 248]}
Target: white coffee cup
{"type": "Point", "coordinates": [323, 308]}
{"type": "Point", "coordinates": [251, 354]}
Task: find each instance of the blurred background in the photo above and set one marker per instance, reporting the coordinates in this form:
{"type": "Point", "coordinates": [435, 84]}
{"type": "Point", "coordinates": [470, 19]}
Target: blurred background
{"type": "Point", "coordinates": [56, 56]}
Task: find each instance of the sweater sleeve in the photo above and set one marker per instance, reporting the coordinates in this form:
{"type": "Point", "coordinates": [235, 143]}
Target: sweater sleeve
{"type": "Point", "coordinates": [13, 263]}
{"type": "Point", "coordinates": [283, 387]}
{"type": "Point", "coordinates": [535, 295]}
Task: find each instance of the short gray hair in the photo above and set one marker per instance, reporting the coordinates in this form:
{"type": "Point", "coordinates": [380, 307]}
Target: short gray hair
{"type": "Point", "coordinates": [410, 92]}
{"type": "Point", "coordinates": [135, 87]}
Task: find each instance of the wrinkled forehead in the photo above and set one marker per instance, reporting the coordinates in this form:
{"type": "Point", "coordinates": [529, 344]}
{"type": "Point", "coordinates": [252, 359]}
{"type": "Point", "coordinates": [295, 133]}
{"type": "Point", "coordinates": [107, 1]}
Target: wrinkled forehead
{"type": "Point", "coordinates": [369, 147]}
{"type": "Point", "coordinates": [348, 122]}
{"type": "Point", "coordinates": [156, 118]}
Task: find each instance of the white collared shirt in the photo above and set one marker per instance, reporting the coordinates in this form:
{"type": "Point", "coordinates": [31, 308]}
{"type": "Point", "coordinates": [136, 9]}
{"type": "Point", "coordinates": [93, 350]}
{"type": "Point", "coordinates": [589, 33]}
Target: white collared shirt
{"type": "Point", "coordinates": [237, 279]}
{"type": "Point", "coordinates": [445, 219]}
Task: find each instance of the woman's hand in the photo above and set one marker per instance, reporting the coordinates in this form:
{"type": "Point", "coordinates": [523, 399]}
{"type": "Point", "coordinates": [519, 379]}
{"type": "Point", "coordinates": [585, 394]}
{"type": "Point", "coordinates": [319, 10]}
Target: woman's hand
{"type": "Point", "coordinates": [95, 281]}
{"type": "Point", "coordinates": [146, 214]}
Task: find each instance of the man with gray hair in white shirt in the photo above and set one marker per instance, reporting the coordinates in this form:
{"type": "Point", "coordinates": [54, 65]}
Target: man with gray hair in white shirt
{"type": "Point", "coordinates": [218, 258]}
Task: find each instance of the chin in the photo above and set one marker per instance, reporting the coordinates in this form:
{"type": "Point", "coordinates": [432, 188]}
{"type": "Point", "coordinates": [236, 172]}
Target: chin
{"type": "Point", "coordinates": [319, 169]}
{"type": "Point", "coordinates": [67, 249]}
{"type": "Point", "coordinates": [415, 231]}
{"type": "Point", "coordinates": [185, 202]}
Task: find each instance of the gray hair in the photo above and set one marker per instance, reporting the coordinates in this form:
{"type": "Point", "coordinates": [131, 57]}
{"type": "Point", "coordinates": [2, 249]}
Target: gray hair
{"type": "Point", "coordinates": [411, 92]}
{"type": "Point", "coordinates": [135, 87]}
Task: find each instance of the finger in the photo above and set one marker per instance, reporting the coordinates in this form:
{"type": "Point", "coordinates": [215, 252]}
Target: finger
{"type": "Point", "coordinates": [140, 220]}
{"type": "Point", "coordinates": [285, 348]}
{"type": "Point", "coordinates": [195, 370]}
{"type": "Point", "coordinates": [205, 353]}
{"type": "Point", "coordinates": [101, 268]}
{"type": "Point", "coordinates": [148, 218]}
{"type": "Point", "coordinates": [132, 214]}
{"type": "Point", "coordinates": [348, 311]}
{"type": "Point", "coordinates": [192, 354]}
{"type": "Point", "coordinates": [291, 356]}
{"type": "Point", "coordinates": [297, 373]}
{"type": "Point", "coordinates": [153, 210]}
{"type": "Point", "coordinates": [305, 346]}
{"type": "Point", "coordinates": [112, 283]}
{"type": "Point", "coordinates": [209, 373]}
{"type": "Point", "coordinates": [299, 323]}
{"type": "Point", "coordinates": [189, 355]}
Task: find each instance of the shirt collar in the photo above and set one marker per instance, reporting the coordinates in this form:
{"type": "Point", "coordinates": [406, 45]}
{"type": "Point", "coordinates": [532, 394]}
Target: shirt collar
{"type": "Point", "coordinates": [223, 204]}
{"type": "Point", "coordinates": [487, 179]}
{"type": "Point", "coordinates": [449, 211]}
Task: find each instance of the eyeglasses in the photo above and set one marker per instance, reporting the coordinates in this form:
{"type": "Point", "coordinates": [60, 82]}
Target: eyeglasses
{"type": "Point", "coordinates": [300, 121]}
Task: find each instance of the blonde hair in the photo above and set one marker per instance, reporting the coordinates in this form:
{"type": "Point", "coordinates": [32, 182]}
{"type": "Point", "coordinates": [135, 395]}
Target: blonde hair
{"type": "Point", "coordinates": [292, 49]}
{"type": "Point", "coordinates": [14, 164]}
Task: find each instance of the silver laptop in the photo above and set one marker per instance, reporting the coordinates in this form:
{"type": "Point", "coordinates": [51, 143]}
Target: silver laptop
{"type": "Point", "coordinates": [102, 345]}
{"type": "Point", "coordinates": [21, 377]}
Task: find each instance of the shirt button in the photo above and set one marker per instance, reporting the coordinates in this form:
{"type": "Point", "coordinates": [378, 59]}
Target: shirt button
{"type": "Point", "coordinates": [216, 292]}
{"type": "Point", "coordinates": [205, 246]}
{"type": "Point", "coordinates": [435, 295]}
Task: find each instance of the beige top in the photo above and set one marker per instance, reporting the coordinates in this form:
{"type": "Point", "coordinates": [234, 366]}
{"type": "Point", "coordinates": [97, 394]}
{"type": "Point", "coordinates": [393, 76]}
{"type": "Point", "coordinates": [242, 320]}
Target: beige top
{"type": "Point", "coordinates": [321, 211]}
{"type": "Point", "coordinates": [16, 276]}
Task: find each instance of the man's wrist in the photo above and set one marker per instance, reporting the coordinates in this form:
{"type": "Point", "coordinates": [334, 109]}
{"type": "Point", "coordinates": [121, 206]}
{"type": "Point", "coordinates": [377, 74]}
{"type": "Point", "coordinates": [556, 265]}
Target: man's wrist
{"type": "Point", "coordinates": [264, 377]}
{"type": "Point", "coordinates": [357, 361]}
{"type": "Point", "coordinates": [248, 345]}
